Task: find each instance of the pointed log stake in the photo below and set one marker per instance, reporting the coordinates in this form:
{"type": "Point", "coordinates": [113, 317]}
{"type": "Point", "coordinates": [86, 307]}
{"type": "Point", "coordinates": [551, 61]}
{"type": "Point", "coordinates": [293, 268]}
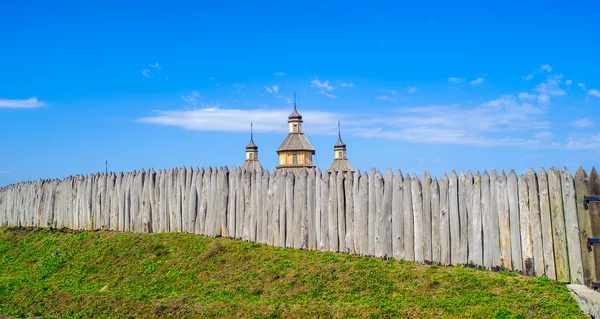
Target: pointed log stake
{"type": "Point", "coordinates": [594, 212]}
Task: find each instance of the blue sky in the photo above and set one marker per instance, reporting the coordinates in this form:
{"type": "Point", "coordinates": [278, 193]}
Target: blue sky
{"type": "Point", "coordinates": [433, 85]}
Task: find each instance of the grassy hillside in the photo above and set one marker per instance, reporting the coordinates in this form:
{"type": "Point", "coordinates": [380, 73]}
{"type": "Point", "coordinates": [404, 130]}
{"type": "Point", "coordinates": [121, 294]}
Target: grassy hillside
{"type": "Point", "coordinates": [120, 275]}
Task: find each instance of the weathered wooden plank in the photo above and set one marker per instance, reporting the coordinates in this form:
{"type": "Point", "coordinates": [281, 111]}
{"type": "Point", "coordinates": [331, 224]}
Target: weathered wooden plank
{"type": "Point", "coordinates": [525, 227]}
{"type": "Point", "coordinates": [464, 222]}
{"type": "Point", "coordinates": [324, 244]}
{"type": "Point", "coordinates": [536, 223]}
{"type": "Point", "coordinates": [546, 221]}
{"type": "Point", "coordinates": [310, 209]}
{"type": "Point", "coordinates": [372, 212]}
{"type": "Point", "coordinates": [349, 216]}
{"type": "Point", "coordinates": [397, 217]}
{"type": "Point", "coordinates": [363, 212]}
{"type": "Point", "coordinates": [594, 212]}
{"type": "Point", "coordinates": [494, 220]}
{"type": "Point", "coordinates": [469, 203]}
{"type": "Point", "coordinates": [486, 222]}
{"type": "Point", "coordinates": [585, 227]}
{"type": "Point", "coordinates": [444, 221]}
{"type": "Point", "coordinates": [224, 199]}
{"type": "Point", "coordinates": [332, 213]}
{"type": "Point", "coordinates": [426, 191]}
{"type": "Point", "coordinates": [302, 212]}
{"type": "Point", "coordinates": [355, 207]}
{"type": "Point", "coordinates": [318, 209]}
{"type": "Point", "coordinates": [435, 222]}
{"type": "Point", "coordinates": [289, 210]}
{"type": "Point", "coordinates": [379, 189]}
{"type": "Point", "coordinates": [557, 214]}
{"type": "Point", "coordinates": [386, 211]}
{"type": "Point", "coordinates": [240, 215]}
{"type": "Point", "coordinates": [276, 177]}
{"type": "Point", "coordinates": [504, 222]}
{"type": "Point", "coordinates": [231, 201]}
{"type": "Point", "coordinates": [341, 212]}
{"type": "Point", "coordinates": [572, 227]}
{"type": "Point", "coordinates": [454, 218]}
{"type": "Point", "coordinates": [515, 221]}
{"type": "Point", "coordinates": [417, 208]}
{"type": "Point", "coordinates": [409, 221]}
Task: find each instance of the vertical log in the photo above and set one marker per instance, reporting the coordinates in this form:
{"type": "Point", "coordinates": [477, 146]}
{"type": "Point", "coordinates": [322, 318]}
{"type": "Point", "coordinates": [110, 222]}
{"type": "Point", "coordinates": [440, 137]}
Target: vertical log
{"type": "Point", "coordinates": [454, 218]}
{"type": "Point", "coordinates": [572, 227]}
{"type": "Point", "coordinates": [536, 223]}
{"type": "Point", "coordinates": [318, 210]}
{"type": "Point", "coordinates": [417, 207]}
{"type": "Point", "coordinates": [265, 206]}
{"type": "Point", "coordinates": [515, 221]}
{"type": "Point", "coordinates": [276, 177]}
{"type": "Point", "coordinates": [504, 222]}
{"type": "Point", "coordinates": [341, 209]}
{"type": "Point", "coordinates": [289, 210]}
{"type": "Point", "coordinates": [436, 227]}
{"type": "Point", "coordinates": [363, 212]}
{"type": "Point", "coordinates": [525, 226]}
{"type": "Point", "coordinates": [486, 221]}
{"type": "Point", "coordinates": [349, 217]}
{"type": "Point", "coordinates": [379, 188]}
{"type": "Point", "coordinates": [547, 241]}
{"type": "Point", "coordinates": [585, 227]}
{"type": "Point", "coordinates": [444, 221]}
{"type": "Point", "coordinates": [231, 201]}
{"type": "Point", "coordinates": [303, 216]}
{"type": "Point", "coordinates": [495, 219]}
{"type": "Point", "coordinates": [409, 222]}
{"type": "Point", "coordinates": [427, 237]}
{"type": "Point", "coordinates": [464, 222]}
{"type": "Point", "coordinates": [310, 209]}
{"type": "Point", "coordinates": [469, 203]}
{"type": "Point", "coordinates": [356, 204]}
{"type": "Point", "coordinates": [476, 247]}
{"type": "Point", "coordinates": [324, 243]}
{"type": "Point", "coordinates": [386, 215]}
{"type": "Point", "coordinates": [372, 212]}
{"type": "Point", "coordinates": [559, 236]}
{"type": "Point", "coordinates": [397, 217]}
{"type": "Point", "coordinates": [594, 213]}
{"type": "Point", "coordinates": [332, 213]}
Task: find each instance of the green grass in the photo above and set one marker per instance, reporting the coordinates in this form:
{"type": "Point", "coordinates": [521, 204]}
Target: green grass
{"type": "Point", "coordinates": [66, 274]}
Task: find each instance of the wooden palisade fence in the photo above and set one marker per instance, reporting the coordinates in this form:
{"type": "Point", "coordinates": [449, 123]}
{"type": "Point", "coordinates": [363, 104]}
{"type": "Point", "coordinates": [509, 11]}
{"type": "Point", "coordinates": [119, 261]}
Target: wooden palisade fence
{"type": "Point", "coordinates": [534, 223]}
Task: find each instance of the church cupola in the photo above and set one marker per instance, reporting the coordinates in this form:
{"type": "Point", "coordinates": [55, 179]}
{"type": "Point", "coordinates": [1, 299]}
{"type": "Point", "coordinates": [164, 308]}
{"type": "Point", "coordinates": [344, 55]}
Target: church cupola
{"type": "Point", "coordinates": [251, 153]}
{"type": "Point", "coordinates": [296, 151]}
{"type": "Point", "coordinates": [340, 161]}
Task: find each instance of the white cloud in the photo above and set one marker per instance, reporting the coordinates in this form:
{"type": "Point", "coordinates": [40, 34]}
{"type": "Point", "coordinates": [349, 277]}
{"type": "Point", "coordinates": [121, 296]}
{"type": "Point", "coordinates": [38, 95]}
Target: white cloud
{"type": "Point", "coordinates": [456, 80]}
{"type": "Point", "coordinates": [477, 81]}
{"type": "Point", "coordinates": [544, 135]}
{"type": "Point", "coordinates": [528, 77]}
{"type": "Point", "coordinates": [192, 98]}
{"type": "Point", "coordinates": [411, 89]}
{"type": "Point", "coordinates": [321, 85]}
{"type": "Point", "coordinates": [280, 73]}
{"type": "Point", "coordinates": [568, 82]}
{"type": "Point", "coordinates": [324, 88]}
{"type": "Point", "coordinates": [526, 96]}
{"type": "Point", "coordinates": [147, 73]}
{"type": "Point", "coordinates": [581, 85]}
{"type": "Point", "coordinates": [273, 89]}
{"type": "Point", "coordinates": [347, 85]}
{"type": "Point", "coordinates": [386, 98]}
{"type": "Point", "coordinates": [393, 92]}
{"type": "Point", "coordinates": [584, 122]}
{"type": "Point", "coordinates": [594, 92]}
{"type": "Point", "coordinates": [548, 89]}
{"type": "Point", "coordinates": [5, 172]}
{"type": "Point", "coordinates": [155, 66]}
{"type": "Point", "coordinates": [546, 67]}
{"type": "Point", "coordinates": [31, 102]}
{"type": "Point", "coordinates": [582, 141]}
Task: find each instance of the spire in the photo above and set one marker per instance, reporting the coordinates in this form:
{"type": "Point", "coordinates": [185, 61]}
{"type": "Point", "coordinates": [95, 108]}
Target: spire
{"type": "Point", "coordinates": [339, 144]}
{"type": "Point", "coordinates": [295, 115]}
{"type": "Point", "coordinates": [251, 145]}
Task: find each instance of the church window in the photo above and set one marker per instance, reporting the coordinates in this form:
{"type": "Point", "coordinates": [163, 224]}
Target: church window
{"type": "Point", "coordinates": [251, 155]}
{"type": "Point", "coordinates": [339, 154]}
{"type": "Point", "coordinates": [295, 127]}
{"type": "Point", "coordinates": [295, 159]}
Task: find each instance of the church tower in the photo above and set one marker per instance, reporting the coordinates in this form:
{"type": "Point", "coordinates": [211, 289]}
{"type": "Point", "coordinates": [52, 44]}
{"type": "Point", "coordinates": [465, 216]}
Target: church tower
{"type": "Point", "coordinates": [340, 160]}
{"type": "Point", "coordinates": [296, 151]}
{"type": "Point", "coordinates": [251, 154]}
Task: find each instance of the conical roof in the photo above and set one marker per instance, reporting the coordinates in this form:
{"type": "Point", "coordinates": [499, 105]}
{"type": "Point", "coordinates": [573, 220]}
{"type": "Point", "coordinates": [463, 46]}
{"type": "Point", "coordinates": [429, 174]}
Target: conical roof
{"type": "Point", "coordinates": [339, 144]}
{"type": "Point", "coordinates": [251, 145]}
{"type": "Point", "coordinates": [295, 115]}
